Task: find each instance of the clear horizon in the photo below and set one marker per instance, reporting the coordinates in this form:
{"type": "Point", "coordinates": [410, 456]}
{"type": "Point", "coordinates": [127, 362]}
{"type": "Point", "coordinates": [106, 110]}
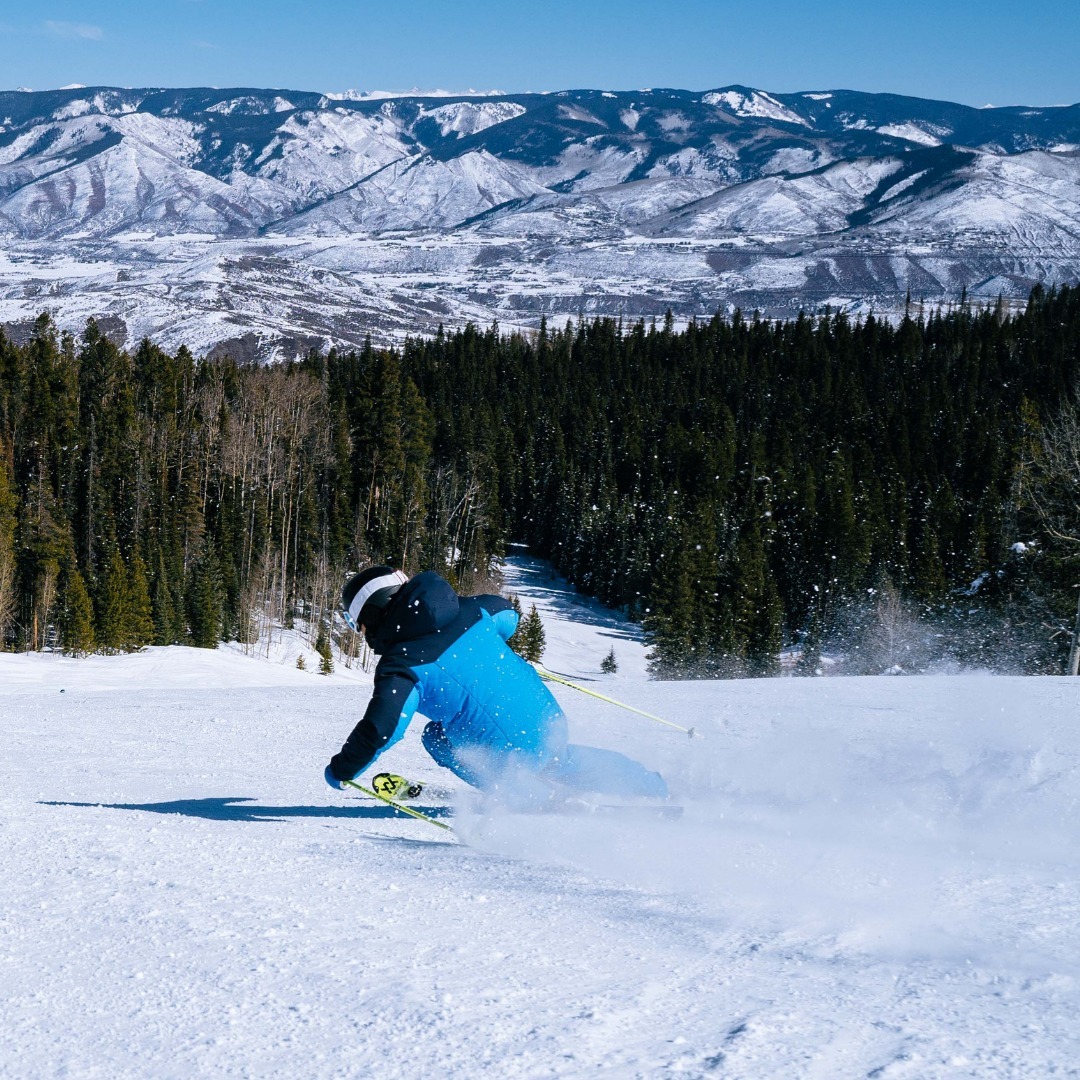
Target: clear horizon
{"type": "Point", "coordinates": [973, 54]}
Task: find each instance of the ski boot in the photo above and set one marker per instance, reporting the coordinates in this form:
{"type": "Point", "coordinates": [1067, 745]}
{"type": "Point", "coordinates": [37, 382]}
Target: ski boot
{"type": "Point", "coordinates": [390, 786]}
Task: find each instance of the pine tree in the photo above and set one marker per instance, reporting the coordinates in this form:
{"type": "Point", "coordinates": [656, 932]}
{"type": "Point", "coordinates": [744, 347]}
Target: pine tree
{"type": "Point", "coordinates": [204, 601]}
{"type": "Point", "coordinates": [77, 626]}
{"type": "Point", "coordinates": [757, 606]}
{"type": "Point", "coordinates": [326, 654]}
{"type": "Point", "coordinates": [112, 620]}
{"type": "Point", "coordinates": [535, 640]}
{"type": "Point", "coordinates": [140, 616]}
{"type": "Point", "coordinates": [609, 665]}
{"type": "Point", "coordinates": [169, 629]}
{"type": "Point", "coordinates": [517, 639]}
{"type": "Point", "coordinates": [672, 621]}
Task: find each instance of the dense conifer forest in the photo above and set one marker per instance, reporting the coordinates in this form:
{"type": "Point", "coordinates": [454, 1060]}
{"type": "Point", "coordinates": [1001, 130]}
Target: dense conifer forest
{"type": "Point", "coordinates": [891, 494]}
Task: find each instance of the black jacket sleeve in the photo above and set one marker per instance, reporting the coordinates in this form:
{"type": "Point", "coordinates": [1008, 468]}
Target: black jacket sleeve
{"type": "Point", "coordinates": [378, 724]}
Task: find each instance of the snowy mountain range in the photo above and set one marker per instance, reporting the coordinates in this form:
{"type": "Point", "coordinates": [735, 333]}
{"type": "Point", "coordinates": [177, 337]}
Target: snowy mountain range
{"type": "Point", "coordinates": [267, 221]}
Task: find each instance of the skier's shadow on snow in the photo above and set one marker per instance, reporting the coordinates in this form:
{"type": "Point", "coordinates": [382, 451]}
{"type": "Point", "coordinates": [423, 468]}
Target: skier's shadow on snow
{"type": "Point", "coordinates": [238, 809]}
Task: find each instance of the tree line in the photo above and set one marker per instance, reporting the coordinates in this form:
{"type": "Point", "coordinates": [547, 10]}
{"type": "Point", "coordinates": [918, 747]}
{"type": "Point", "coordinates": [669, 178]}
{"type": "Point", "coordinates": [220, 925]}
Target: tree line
{"type": "Point", "coordinates": [861, 488]}
{"type": "Point", "coordinates": [880, 490]}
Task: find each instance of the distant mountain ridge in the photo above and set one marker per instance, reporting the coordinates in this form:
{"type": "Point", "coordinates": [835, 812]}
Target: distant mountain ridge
{"type": "Point", "coordinates": [281, 219]}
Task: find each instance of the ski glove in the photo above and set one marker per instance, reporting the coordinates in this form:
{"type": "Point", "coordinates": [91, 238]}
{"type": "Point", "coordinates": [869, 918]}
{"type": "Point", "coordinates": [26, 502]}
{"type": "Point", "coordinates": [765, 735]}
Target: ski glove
{"type": "Point", "coordinates": [332, 780]}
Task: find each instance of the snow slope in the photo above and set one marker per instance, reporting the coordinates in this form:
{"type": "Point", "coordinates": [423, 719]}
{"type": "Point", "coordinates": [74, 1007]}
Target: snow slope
{"type": "Point", "coordinates": [873, 877]}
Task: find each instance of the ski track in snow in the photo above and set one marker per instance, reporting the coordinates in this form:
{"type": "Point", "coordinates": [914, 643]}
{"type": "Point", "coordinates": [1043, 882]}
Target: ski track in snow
{"type": "Point", "coordinates": [873, 878]}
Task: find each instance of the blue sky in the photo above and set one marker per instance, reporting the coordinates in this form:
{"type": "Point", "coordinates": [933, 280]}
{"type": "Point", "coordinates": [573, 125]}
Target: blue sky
{"type": "Point", "coordinates": [977, 53]}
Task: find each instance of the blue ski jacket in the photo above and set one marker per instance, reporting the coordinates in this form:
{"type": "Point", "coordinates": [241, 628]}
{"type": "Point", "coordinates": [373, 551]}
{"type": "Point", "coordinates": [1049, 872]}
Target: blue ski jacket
{"type": "Point", "coordinates": [445, 656]}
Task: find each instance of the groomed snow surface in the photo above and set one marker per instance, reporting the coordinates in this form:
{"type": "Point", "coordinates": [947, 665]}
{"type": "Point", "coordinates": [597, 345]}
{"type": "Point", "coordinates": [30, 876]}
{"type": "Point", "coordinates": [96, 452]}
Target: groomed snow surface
{"type": "Point", "coordinates": [872, 878]}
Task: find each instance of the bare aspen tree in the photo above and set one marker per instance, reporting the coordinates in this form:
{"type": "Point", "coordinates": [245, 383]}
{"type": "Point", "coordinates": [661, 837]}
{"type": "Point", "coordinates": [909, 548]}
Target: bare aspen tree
{"type": "Point", "coordinates": [7, 549]}
{"type": "Point", "coordinates": [1055, 489]}
{"type": "Point", "coordinates": [7, 593]}
{"type": "Point", "coordinates": [44, 598]}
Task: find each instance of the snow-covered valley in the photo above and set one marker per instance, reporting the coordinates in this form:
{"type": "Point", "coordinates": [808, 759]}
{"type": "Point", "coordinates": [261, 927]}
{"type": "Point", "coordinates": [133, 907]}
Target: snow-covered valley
{"type": "Point", "coordinates": [872, 877]}
{"type": "Point", "coordinates": [268, 222]}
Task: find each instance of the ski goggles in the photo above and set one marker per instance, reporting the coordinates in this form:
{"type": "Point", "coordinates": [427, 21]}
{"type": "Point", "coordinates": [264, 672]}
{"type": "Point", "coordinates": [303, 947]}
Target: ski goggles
{"type": "Point", "coordinates": [377, 593]}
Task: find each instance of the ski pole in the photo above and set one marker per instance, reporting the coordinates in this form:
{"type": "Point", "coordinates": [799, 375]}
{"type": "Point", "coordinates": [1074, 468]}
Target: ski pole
{"type": "Point", "coordinates": [397, 806]}
{"type": "Point", "coordinates": [551, 677]}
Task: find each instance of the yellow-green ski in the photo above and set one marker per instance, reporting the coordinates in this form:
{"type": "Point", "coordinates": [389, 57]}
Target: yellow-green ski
{"type": "Point", "coordinates": [397, 806]}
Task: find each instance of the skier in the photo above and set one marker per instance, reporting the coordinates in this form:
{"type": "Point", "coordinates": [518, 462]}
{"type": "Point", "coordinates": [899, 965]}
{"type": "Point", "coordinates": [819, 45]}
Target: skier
{"type": "Point", "coordinates": [491, 720]}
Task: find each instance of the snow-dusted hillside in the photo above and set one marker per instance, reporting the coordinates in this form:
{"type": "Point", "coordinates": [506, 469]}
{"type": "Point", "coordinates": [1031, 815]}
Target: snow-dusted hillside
{"type": "Point", "coordinates": [873, 877]}
{"type": "Point", "coordinates": [275, 220]}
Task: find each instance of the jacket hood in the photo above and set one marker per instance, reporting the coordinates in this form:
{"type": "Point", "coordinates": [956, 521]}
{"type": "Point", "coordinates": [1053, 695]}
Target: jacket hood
{"type": "Point", "coordinates": [425, 604]}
